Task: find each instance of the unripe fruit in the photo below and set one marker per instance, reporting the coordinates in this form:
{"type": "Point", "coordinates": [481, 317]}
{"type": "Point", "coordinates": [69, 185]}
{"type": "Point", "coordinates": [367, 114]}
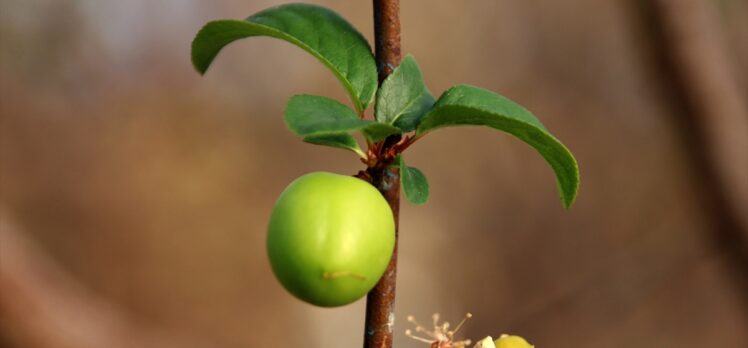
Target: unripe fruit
{"type": "Point", "coordinates": [507, 341]}
{"type": "Point", "coordinates": [330, 238]}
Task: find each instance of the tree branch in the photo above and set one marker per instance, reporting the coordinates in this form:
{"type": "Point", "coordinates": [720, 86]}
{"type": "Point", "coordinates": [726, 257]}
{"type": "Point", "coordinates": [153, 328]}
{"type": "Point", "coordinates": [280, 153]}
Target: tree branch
{"type": "Point", "coordinates": [380, 302]}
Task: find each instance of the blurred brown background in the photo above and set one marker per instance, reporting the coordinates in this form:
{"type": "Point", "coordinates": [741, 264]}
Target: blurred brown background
{"type": "Point", "coordinates": [134, 193]}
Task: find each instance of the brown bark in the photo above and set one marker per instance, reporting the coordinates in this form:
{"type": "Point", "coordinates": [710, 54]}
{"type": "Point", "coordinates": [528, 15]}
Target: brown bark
{"type": "Point", "coordinates": [387, 36]}
{"type": "Point", "coordinates": [380, 302]}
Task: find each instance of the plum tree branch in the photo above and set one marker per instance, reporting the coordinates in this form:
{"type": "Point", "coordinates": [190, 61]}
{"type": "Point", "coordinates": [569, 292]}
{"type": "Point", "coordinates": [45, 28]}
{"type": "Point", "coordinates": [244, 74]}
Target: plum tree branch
{"type": "Point", "coordinates": [380, 301]}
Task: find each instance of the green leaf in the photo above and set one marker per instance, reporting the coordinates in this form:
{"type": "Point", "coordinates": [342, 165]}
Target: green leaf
{"type": "Point", "coordinates": [414, 183]}
{"type": "Point", "coordinates": [342, 141]}
{"type": "Point", "coordinates": [314, 115]}
{"type": "Point", "coordinates": [376, 131]}
{"type": "Point", "coordinates": [309, 115]}
{"type": "Point", "coordinates": [403, 98]}
{"type": "Point", "coordinates": [317, 30]}
{"type": "Point", "coordinates": [468, 105]}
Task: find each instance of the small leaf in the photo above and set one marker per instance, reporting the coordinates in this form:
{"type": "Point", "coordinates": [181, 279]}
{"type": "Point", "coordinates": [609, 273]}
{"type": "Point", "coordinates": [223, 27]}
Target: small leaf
{"type": "Point", "coordinates": [307, 115]}
{"type": "Point", "coordinates": [318, 30]}
{"type": "Point", "coordinates": [468, 105]}
{"type": "Point", "coordinates": [403, 98]}
{"type": "Point", "coordinates": [415, 185]}
{"type": "Point", "coordinates": [342, 141]}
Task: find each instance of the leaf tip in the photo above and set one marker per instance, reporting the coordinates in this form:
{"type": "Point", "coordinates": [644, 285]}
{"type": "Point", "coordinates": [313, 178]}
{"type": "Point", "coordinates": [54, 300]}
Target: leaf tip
{"type": "Point", "coordinates": [200, 70]}
{"type": "Point", "coordinates": [569, 196]}
{"type": "Point", "coordinates": [197, 61]}
{"type": "Point", "coordinates": [420, 202]}
{"type": "Point", "coordinates": [568, 201]}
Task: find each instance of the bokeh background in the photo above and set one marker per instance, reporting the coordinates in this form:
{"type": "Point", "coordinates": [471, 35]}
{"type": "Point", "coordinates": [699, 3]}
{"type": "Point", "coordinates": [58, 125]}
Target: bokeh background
{"type": "Point", "coordinates": [134, 194]}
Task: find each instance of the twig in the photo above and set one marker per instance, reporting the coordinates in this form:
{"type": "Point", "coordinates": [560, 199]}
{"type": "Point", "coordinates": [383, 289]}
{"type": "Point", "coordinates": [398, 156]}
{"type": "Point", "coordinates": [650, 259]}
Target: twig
{"type": "Point", "coordinates": [380, 302]}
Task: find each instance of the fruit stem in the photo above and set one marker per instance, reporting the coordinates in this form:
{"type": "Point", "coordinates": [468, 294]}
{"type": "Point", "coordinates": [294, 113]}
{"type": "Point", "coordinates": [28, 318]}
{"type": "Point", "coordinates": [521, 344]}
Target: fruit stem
{"type": "Point", "coordinates": [380, 302]}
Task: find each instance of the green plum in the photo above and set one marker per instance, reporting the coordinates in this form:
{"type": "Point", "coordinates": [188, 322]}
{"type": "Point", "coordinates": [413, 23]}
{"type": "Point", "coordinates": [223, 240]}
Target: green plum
{"type": "Point", "coordinates": [510, 341]}
{"type": "Point", "coordinates": [330, 238]}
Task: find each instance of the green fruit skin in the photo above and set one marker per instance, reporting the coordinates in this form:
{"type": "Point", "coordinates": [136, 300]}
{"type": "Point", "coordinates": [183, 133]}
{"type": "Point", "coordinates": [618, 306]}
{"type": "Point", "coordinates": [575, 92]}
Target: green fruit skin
{"type": "Point", "coordinates": [507, 341]}
{"type": "Point", "coordinates": [330, 238]}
